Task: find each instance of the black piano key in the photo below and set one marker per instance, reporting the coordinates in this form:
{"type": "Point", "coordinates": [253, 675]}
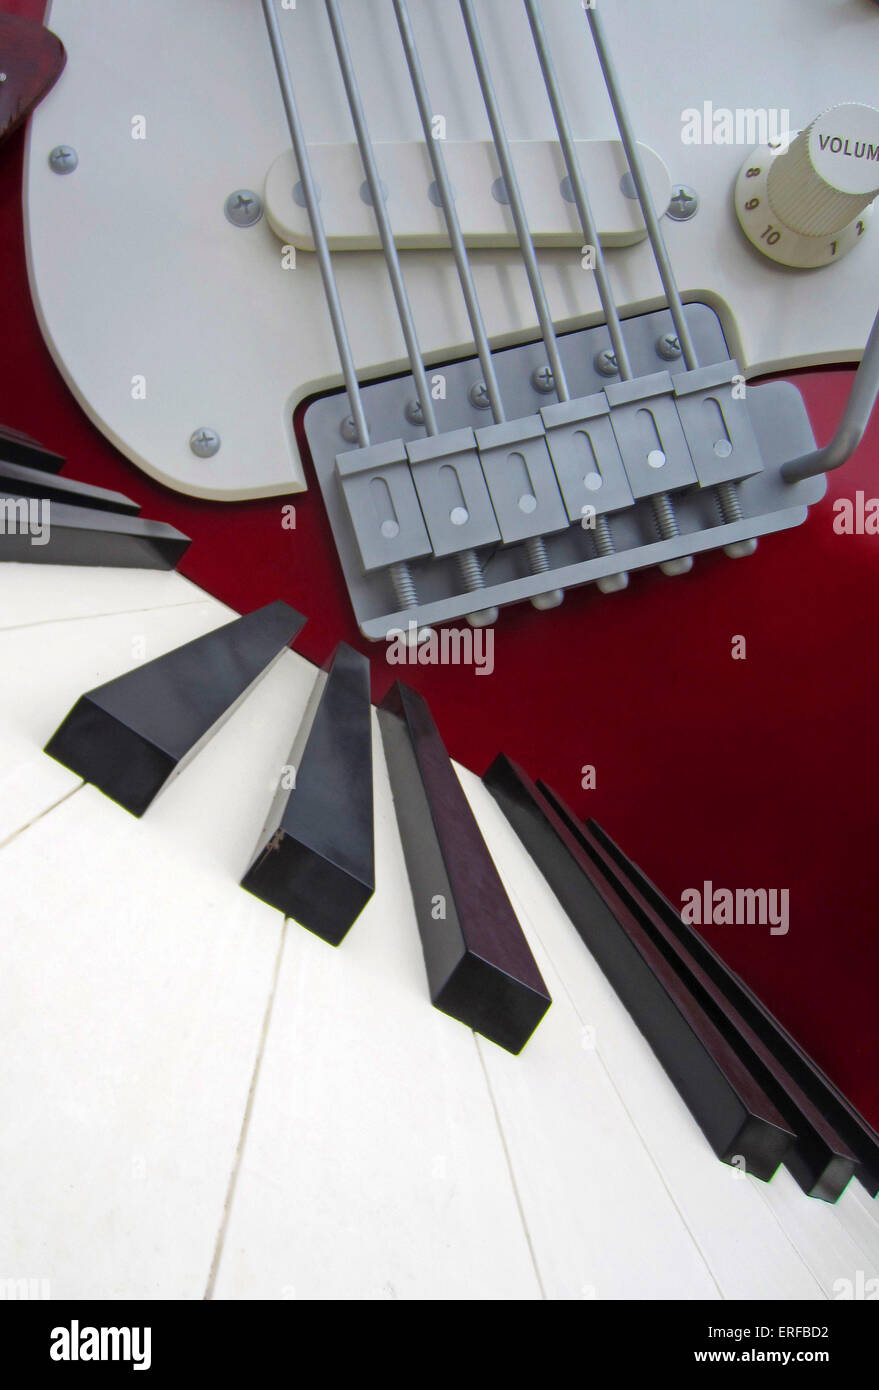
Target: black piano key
{"type": "Point", "coordinates": [316, 855]}
{"type": "Point", "coordinates": [55, 533]}
{"type": "Point", "coordinates": [16, 447]}
{"type": "Point", "coordinates": [130, 736]}
{"type": "Point", "coordinates": [820, 1160]}
{"type": "Point", "coordinates": [18, 480]}
{"type": "Point", "coordinates": [480, 969]}
{"type": "Point", "coordinates": [733, 1111]}
{"type": "Point", "coordinates": [858, 1134]}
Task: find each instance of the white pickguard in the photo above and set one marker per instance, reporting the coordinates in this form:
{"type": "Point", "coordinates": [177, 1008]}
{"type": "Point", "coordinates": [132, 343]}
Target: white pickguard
{"type": "Point", "coordinates": [136, 272]}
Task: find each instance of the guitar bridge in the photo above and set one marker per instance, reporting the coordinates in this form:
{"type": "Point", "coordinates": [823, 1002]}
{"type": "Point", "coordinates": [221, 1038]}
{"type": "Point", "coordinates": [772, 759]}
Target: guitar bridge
{"type": "Point", "coordinates": [564, 475]}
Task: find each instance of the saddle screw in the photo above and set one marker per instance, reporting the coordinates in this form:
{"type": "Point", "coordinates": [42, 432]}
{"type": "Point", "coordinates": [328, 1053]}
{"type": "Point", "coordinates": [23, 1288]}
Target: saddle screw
{"type": "Point", "coordinates": [543, 380]}
{"type": "Point", "coordinates": [479, 396]}
{"type": "Point", "coordinates": [63, 159]}
{"type": "Point", "coordinates": [348, 430]}
{"type": "Point", "coordinates": [606, 362]}
{"type": "Point", "coordinates": [414, 412]}
{"type": "Point", "coordinates": [243, 208]}
{"type": "Point", "coordinates": [669, 347]}
{"type": "Point", "coordinates": [684, 203]}
{"type": "Point", "coordinates": [204, 443]}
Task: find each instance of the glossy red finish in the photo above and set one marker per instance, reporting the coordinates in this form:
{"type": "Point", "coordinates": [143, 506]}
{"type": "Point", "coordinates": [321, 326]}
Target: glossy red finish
{"type": "Point", "coordinates": [754, 773]}
{"type": "Point", "coordinates": [32, 61]}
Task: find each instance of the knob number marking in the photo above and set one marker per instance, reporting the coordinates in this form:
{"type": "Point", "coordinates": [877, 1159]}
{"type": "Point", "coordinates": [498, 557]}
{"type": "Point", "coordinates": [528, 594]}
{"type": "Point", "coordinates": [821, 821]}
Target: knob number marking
{"type": "Point", "coordinates": [780, 243]}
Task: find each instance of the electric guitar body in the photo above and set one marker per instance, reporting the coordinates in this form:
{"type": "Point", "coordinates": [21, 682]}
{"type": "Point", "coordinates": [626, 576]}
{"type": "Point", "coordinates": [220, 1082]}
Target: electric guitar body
{"type": "Point", "coordinates": [143, 285]}
{"type": "Point", "coordinates": [511, 429]}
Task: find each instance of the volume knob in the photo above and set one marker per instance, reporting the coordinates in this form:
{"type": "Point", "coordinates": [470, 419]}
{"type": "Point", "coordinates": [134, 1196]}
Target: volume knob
{"type": "Point", "coordinates": [805, 202]}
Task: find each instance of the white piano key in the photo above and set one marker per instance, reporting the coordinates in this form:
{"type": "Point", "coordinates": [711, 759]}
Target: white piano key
{"type": "Point", "coordinates": [136, 979]}
{"type": "Point", "coordinates": [373, 1166]}
{"type": "Point", "coordinates": [858, 1215]}
{"type": "Point", "coordinates": [830, 1250]}
{"type": "Point", "coordinates": [50, 593]}
{"type": "Point", "coordinates": [747, 1251]}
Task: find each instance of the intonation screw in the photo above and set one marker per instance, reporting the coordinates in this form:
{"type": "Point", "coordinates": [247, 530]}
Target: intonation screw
{"type": "Point", "coordinates": [538, 563]}
{"type": "Point", "coordinates": [684, 203]}
{"type": "Point", "coordinates": [403, 585]}
{"type": "Point", "coordinates": [604, 544]}
{"type": "Point", "coordinates": [606, 362]}
{"type": "Point", "coordinates": [414, 413]}
{"type": "Point", "coordinates": [204, 443]}
{"type": "Point", "coordinates": [63, 159]}
{"type": "Point", "coordinates": [243, 208]}
{"type": "Point", "coordinates": [473, 580]}
{"type": "Point", "coordinates": [479, 396]}
{"type": "Point", "coordinates": [669, 347]}
{"type": "Point", "coordinates": [731, 510]}
{"type": "Point", "coordinates": [543, 380]}
{"type": "Point", "coordinates": [667, 523]}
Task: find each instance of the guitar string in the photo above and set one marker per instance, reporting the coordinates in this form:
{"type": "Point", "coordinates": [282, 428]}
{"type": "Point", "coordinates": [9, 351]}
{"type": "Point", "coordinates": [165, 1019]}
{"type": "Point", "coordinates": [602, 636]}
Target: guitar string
{"type": "Point", "coordinates": [447, 201]}
{"type": "Point", "coordinates": [642, 187]}
{"type": "Point", "coordinates": [399, 572]}
{"type": "Point", "coordinates": [321, 245]}
{"type": "Point", "coordinates": [514, 195]}
{"type": "Point", "coordinates": [386, 235]}
{"type": "Point", "coordinates": [604, 541]}
{"type": "Point", "coordinates": [726, 493]}
{"type": "Point", "coordinates": [467, 560]}
{"type": "Point", "coordinates": [578, 187]}
{"type": "Point", "coordinates": [663, 508]}
{"type": "Point", "coordinates": [536, 557]}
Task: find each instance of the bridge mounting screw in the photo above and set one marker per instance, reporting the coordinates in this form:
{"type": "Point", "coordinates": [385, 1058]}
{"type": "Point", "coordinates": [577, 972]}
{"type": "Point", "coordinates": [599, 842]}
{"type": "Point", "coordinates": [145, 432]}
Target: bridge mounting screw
{"type": "Point", "coordinates": [243, 208]}
{"type": "Point", "coordinates": [414, 412]}
{"type": "Point", "coordinates": [63, 159]}
{"type": "Point", "coordinates": [479, 396]}
{"type": "Point", "coordinates": [348, 430]}
{"type": "Point", "coordinates": [204, 443]}
{"type": "Point", "coordinates": [543, 380]}
{"type": "Point", "coordinates": [684, 203]}
{"type": "Point", "coordinates": [669, 347]}
{"type": "Point", "coordinates": [606, 362]}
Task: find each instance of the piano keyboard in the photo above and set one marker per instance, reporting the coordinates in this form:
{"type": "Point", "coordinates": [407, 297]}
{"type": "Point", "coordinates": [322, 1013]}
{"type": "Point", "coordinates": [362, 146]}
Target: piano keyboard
{"type": "Point", "coordinates": [203, 1100]}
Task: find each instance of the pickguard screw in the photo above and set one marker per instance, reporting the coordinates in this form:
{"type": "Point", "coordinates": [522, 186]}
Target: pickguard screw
{"type": "Point", "coordinates": [479, 396]}
{"type": "Point", "coordinates": [63, 159]}
{"type": "Point", "coordinates": [684, 203]}
{"type": "Point", "coordinates": [542, 380]}
{"type": "Point", "coordinates": [669, 347]}
{"type": "Point", "coordinates": [243, 208]}
{"type": "Point", "coordinates": [606, 362]}
{"type": "Point", "coordinates": [204, 443]}
{"type": "Point", "coordinates": [348, 430]}
{"type": "Point", "coordinates": [414, 413]}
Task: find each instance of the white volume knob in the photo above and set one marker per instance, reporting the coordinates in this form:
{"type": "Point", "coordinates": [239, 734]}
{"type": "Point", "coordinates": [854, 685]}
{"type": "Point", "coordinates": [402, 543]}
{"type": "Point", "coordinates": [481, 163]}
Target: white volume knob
{"type": "Point", "coordinates": [805, 202]}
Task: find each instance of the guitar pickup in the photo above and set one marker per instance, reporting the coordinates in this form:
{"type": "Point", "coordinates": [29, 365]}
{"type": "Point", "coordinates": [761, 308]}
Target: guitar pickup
{"type": "Point", "coordinates": [586, 456]}
{"type": "Point", "coordinates": [650, 436]}
{"type": "Point", "coordinates": [517, 467]}
{"type": "Point", "coordinates": [382, 505]}
{"type": "Point", "coordinates": [717, 424]}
